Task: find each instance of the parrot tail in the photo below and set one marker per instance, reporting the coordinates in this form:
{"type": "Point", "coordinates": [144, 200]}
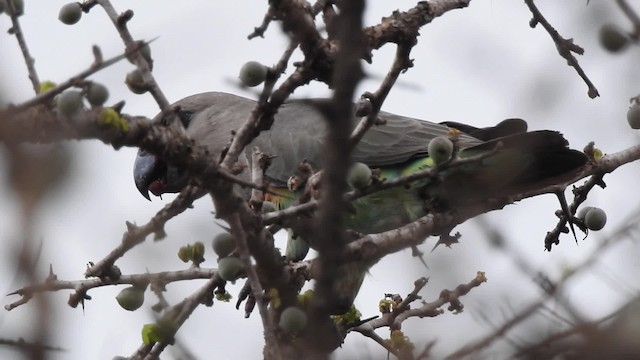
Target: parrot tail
{"type": "Point", "coordinates": [533, 156]}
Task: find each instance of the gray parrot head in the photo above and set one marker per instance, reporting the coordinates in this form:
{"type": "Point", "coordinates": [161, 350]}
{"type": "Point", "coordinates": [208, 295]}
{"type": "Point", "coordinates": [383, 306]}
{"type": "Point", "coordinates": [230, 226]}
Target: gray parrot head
{"type": "Point", "coordinates": [153, 174]}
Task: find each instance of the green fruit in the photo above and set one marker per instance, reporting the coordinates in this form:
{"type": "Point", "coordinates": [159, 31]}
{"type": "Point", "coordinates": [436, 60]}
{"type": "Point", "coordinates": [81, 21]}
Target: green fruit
{"type": "Point", "coordinates": [70, 13]}
{"type": "Point", "coordinates": [145, 51]}
{"type": "Point", "coordinates": [131, 298]}
{"type": "Point", "coordinates": [229, 268]}
{"type": "Point", "coordinates": [633, 116]}
{"type": "Point", "coordinates": [595, 219]}
{"type": "Point", "coordinates": [440, 149]}
{"type": "Point", "coordinates": [69, 102]}
{"type": "Point", "coordinates": [135, 82]}
{"type": "Point", "coordinates": [223, 244]}
{"type": "Point", "coordinates": [297, 248]}
{"type": "Point", "coordinates": [583, 212]}
{"type": "Point", "coordinates": [359, 176]}
{"type": "Point", "coordinates": [612, 38]}
{"type": "Point", "coordinates": [292, 319]}
{"type": "Point", "coordinates": [253, 74]}
{"type": "Point", "coordinates": [97, 94]}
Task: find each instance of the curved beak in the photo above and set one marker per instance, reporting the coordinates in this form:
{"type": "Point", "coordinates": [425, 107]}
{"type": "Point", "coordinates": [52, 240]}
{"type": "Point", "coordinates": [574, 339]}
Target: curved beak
{"type": "Point", "coordinates": [143, 172]}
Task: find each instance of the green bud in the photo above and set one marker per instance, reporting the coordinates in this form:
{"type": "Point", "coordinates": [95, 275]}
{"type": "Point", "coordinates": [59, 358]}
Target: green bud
{"type": "Point", "coordinates": [197, 251]}
{"type": "Point", "coordinates": [152, 333]}
{"type": "Point", "coordinates": [45, 85]}
{"type": "Point", "coordinates": [185, 253]}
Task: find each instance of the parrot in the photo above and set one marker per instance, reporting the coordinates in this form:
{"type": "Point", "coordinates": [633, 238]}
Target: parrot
{"type": "Point", "coordinates": [396, 147]}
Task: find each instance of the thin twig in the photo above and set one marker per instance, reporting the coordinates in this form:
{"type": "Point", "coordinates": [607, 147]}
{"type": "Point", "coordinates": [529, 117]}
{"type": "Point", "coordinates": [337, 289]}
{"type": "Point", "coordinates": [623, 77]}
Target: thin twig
{"type": "Point", "coordinates": [28, 59]}
{"type": "Point", "coordinates": [120, 23]}
{"type": "Point", "coordinates": [46, 96]}
{"type": "Point", "coordinates": [137, 234]}
{"type": "Point", "coordinates": [564, 46]}
{"type": "Point", "coordinates": [256, 288]}
{"type": "Point", "coordinates": [82, 286]}
{"type": "Point", "coordinates": [615, 238]}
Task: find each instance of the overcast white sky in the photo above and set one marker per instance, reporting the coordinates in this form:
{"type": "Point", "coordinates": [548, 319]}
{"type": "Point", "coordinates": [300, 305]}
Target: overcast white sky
{"type": "Point", "coordinates": [477, 65]}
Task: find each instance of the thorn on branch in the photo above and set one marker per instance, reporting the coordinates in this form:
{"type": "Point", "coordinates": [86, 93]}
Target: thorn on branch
{"type": "Point", "coordinates": [259, 31]}
{"type": "Point", "coordinates": [447, 240]}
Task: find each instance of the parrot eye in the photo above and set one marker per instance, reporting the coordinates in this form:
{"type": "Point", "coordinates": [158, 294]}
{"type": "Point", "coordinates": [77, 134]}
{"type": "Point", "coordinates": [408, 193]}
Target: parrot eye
{"type": "Point", "coordinates": [185, 117]}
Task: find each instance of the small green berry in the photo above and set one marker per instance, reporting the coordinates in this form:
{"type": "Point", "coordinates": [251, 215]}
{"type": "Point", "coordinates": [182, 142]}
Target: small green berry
{"type": "Point", "coordinates": [253, 73]}
{"type": "Point", "coordinates": [633, 116]}
{"type": "Point", "coordinates": [97, 94]}
{"type": "Point", "coordinates": [359, 175]}
{"type": "Point", "coordinates": [70, 13]}
{"type": "Point", "coordinates": [292, 319]}
{"type": "Point", "coordinates": [131, 298]}
{"type": "Point", "coordinates": [135, 82]}
{"type": "Point", "coordinates": [223, 244]}
{"type": "Point", "coordinates": [612, 38]}
{"type": "Point", "coordinates": [69, 102]}
{"type": "Point", "coordinates": [440, 149]}
{"type": "Point", "coordinates": [229, 268]}
{"type": "Point", "coordinates": [583, 212]}
{"type": "Point", "coordinates": [595, 219]}
{"type": "Point", "coordinates": [145, 51]}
